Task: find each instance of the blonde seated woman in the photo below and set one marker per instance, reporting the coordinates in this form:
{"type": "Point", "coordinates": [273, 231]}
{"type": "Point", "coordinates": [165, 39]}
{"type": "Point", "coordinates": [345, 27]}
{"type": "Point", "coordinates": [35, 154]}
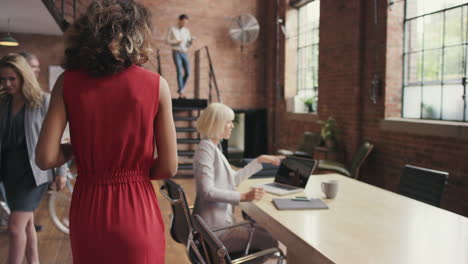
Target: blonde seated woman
{"type": "Point", "coordinates": [216, 182]}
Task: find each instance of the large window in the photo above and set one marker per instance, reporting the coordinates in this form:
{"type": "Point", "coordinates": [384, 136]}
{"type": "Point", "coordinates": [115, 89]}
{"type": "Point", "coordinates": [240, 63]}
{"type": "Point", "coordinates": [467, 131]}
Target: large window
{"type": "Point", "coordinates": [435, 60]}
{"type": "Point", "coordinates": [307, 50]}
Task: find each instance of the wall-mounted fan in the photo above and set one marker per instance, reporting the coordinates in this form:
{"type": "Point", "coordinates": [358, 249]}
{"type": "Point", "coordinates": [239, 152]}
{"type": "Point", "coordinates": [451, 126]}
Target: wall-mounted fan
{"type": "Point", "coordinates": [244, 30]}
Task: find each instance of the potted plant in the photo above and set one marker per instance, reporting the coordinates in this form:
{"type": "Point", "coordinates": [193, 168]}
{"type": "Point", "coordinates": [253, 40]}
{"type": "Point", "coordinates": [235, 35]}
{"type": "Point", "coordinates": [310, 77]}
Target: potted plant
{"type": "Point", "coordinates": [310, 103]}
{"type": "Point", "coordinates": [328, 132]}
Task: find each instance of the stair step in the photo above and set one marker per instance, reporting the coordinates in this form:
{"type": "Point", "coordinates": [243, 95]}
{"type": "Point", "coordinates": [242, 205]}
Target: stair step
{"type": "Point", "coordinates": [189, 104]}
{"type": "Point", "coordinates": [185, 118]}
{"type": "Point", "coordinates": [185, 153]}
{"type": "Point", "coordinates": [188, 141]}
{"type": "Point", "coordinates": [186, 129]}
{"type": "Point", "coordinates": [185, 166]}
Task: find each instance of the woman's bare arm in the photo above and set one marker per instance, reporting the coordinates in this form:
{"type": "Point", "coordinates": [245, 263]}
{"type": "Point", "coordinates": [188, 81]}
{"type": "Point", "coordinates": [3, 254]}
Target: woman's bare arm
{"type": "Point", "coordinates": [165, 166]}
{"type": "Point", "coordinates": [49, 152]}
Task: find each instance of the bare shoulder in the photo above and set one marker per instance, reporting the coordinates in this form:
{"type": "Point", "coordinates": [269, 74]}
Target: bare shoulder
{"type": "Point", "coordinates": [164, 92]}
{"type": "Point", "coordinates": [163, 85]}
{"type": "Point", "coordinates": [58, 86]}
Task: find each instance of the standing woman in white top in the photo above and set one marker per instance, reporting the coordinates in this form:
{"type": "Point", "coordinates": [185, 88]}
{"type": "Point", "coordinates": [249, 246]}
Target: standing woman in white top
{"type": "Point", "coordinates": [216, 181]}
{"type": "Point", "coordinates": [180, 40]}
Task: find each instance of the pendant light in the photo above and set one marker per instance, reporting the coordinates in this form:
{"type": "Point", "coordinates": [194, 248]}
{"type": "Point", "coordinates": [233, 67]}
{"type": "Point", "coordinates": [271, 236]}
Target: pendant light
{"type": "Point", "coordinates": [8, 40]}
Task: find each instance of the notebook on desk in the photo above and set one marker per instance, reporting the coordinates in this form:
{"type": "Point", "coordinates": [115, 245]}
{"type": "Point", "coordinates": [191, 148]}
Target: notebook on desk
{"type": "Point", "coordinates": [290, 204]}
{"type": "Point", "coordinates": [291, 177]}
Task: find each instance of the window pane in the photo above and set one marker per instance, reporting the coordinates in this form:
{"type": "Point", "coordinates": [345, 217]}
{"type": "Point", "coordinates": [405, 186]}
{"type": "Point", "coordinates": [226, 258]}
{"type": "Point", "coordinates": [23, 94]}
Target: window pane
{"type": "Point", "coordinates": [452, 102]}
{"type": "Point", "coordinates": [309, 17]}
{"type": "Point", "coordinates": [431, 65]}
{"type": "Point", "coordinates": [465, 24]}
{"type": "Point", "coordinates": [414, 35]}
{"type": "Point", "coordinates": [466, 61]}
{"type": "Point", "coordinates": [413, 67]}
{"type": "Point", "coordinates": [451, 3]}
{"type": "Point", "coordinates": [431, 102]}
{"type": "Point", "coordinates": [414, 8]}
{"type": "Point", "coordinates": [299, 80]}
{"type": "Point", "coordinates": [315, 36]}
{"type": "Point", "coordinates": [453, 67]}
{"type": "Point", "coordinates": [433, 31]}
{"type": "Point", "coordinates": [302, 25]}
{"type": "Point", "coordinates": [299, 70]}
{"type": "Point", "coordinates": [315, 64]}
{"type": "Point", "coordinates": [453, 27]}
{"type": "Point", "coordinates": [433, 5]}
{"type": "Point", "coordinates": [412, 102]}
{"type": "Point", "coordinates": [300, 58]}
{"type": "Point", "coordinates": [315, 13]}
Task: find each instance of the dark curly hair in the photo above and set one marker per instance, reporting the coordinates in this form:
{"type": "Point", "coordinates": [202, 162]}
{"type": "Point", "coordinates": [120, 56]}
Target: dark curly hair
{"type": "Point", "coordinates": [109, 37]}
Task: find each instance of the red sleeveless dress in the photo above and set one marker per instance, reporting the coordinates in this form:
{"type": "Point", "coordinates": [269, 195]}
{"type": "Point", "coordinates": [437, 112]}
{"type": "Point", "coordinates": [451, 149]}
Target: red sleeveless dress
{"type": "Point", "coordinates": [114, 215]}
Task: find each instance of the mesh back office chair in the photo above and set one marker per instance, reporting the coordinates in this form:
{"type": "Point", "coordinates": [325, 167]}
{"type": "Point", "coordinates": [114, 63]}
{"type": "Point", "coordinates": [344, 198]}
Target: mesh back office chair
{"type": "Point", "coordinates": [181, 222]}
{"type": "Point", "coordinates": [422, 184]}
{"type": "Point", "coordinates": [306, 147]}
{"type": "Point", "coordinates": [354, 167]}
{"type": "Point", "coordinates": [210, 250]}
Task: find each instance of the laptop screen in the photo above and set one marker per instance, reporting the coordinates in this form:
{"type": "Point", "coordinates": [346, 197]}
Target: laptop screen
{"type": "Point", "coordinates": [295, 171]}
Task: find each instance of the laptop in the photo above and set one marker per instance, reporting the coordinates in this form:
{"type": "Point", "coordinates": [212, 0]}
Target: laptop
{"type": "Point", "coordinates": [292, 176]}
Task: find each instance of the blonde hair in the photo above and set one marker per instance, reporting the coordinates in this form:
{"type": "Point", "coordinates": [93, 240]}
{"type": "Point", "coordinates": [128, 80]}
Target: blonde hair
{"type": "Point", "coordinates": [212, 120]}
{"type": "Point", "coordinates": [29, 85]}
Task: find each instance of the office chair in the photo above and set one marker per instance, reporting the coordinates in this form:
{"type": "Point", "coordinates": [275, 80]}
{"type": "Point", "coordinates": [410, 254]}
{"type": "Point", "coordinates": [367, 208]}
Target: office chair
{"type": "Point", "coordinates": [306, 146]}
{"type": "Point", "coordinates": [423, 184]}
{"type": "Point", "coordinates": [208, 249]}
{"type": "Point", "coordinates": [182, 221]}
{"type": "Point", "coordinates": [351, 170]}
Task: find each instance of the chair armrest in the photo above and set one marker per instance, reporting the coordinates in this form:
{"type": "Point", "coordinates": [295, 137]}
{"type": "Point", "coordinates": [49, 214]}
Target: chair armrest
{"type": "Point", "coordinates": [252, 228]}
{"type": "Point", "coordinates": [164, 193]}
{"type": "Point", "coordinates": [242, 223]}
{"type": "Point", "coordinates": [259, 254]}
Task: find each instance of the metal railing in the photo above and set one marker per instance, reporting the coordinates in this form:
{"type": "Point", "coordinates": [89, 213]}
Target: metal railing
{"type": "Point", "coordinates": [212, 84]}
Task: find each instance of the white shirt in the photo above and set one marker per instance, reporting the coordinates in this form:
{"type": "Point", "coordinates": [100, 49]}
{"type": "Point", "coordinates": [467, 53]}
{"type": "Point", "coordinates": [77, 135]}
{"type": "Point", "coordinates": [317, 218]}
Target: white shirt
{"type": "Point", "coordinates": [177, 34]}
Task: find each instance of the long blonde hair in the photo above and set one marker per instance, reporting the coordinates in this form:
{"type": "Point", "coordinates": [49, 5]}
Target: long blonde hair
{"type": "Point", "coordinates": [30, 86]}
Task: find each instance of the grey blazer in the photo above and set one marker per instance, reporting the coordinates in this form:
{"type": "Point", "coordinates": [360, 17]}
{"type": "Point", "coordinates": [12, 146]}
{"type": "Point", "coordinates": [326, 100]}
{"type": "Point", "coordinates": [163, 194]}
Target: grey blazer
{"type": "Point", "coordinates": [33, 118]}
{"type": "Point", "coordinates": [216, 184]}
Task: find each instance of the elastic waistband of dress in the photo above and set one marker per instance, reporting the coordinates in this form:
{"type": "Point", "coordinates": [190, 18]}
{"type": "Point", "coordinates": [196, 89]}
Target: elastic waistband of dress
{"type": "Point", "coordinates": [112, 177]}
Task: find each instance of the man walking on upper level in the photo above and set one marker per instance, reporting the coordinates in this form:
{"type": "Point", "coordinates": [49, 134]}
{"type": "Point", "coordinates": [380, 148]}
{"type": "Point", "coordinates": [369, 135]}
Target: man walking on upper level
{"type": "Point", "coordinates": [180, 40]}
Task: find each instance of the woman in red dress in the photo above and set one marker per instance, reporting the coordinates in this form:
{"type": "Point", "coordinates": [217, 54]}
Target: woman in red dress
{"type": "Point", "coordinates": [117, 111]}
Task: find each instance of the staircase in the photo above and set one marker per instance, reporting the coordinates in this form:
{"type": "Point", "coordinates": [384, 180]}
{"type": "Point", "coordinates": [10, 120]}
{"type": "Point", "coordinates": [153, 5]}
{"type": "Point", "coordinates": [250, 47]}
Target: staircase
{"type": "Point", "coordinates": [65, 12]}
{"type": "Point", "coordinates": [186, 112]}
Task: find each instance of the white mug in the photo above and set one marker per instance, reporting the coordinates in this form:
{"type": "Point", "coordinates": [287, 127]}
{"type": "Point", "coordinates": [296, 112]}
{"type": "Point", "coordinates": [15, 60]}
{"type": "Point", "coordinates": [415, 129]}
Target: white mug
{"type": "Point", "coordinates": [330, 188]}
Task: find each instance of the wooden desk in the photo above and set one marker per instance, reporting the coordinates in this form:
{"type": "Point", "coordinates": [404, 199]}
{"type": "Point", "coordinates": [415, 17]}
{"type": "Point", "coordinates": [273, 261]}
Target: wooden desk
{"type": "Point", "coordinates": [364, 224]}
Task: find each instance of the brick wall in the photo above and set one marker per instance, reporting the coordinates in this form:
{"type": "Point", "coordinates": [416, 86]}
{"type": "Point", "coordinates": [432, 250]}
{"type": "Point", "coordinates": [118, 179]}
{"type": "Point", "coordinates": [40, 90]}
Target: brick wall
{"type": "Point", "coordinates": [239, 74]}
{"type": "Point", "coordinates": [352, 50]}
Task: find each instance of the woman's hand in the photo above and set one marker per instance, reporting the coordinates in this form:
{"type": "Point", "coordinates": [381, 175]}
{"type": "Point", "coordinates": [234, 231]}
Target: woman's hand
{"type": "Point", "coordinates": [275, 160]}
{"type": "Point", "coordinates": [253, 195]}
{"type": "Point", "coordinates": [59, 183]}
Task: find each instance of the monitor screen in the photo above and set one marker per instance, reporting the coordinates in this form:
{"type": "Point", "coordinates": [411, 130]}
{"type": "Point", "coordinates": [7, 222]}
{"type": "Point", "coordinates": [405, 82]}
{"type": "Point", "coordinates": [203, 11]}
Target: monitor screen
{"type": "Point", "coordinates": [295, 171]}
